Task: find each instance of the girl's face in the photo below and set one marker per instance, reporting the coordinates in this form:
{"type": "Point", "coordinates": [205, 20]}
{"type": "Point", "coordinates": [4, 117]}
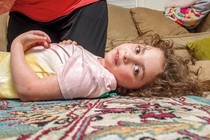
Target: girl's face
{"type": "Point", "coordinates": [134, 65]}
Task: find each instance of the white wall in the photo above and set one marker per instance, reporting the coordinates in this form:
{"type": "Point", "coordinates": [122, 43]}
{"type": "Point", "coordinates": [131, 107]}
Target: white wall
{"type": "Point", "coordinates": [124, 3]}
{"type": "Point", "coordinates": [153, 4]}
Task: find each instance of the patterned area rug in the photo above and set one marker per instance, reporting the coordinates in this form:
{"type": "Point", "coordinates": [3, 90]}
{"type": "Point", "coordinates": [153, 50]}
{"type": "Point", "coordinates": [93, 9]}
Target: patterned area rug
{"type": "Point", "coordinates": [116, 118]}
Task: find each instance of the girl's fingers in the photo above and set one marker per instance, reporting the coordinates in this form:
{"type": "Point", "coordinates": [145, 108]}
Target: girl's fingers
{"type": "Point", "coordinates": [68, 42]}
{"type": "Point", "coordinates": [74, 42]}
{"type": "Point", "coordinates": [42, 34]}
{"type": "Point", "coordinates": [46, 45]}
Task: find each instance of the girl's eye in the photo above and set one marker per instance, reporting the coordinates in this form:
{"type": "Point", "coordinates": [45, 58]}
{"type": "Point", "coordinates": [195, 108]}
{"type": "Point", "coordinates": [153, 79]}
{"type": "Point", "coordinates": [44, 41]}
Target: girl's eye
{"type": "Point", "coordinates": [136, 70]}
{"type": "Point", "coordinates": [138, 50]}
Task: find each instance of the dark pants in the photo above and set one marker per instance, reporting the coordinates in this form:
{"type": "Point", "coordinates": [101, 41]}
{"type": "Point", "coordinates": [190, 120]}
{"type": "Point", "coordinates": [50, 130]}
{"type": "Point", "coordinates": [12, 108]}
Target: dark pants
{"type": "Point", "coordinates": [86, 25]}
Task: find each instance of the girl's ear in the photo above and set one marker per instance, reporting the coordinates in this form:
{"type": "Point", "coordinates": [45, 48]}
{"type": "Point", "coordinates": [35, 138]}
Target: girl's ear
{"type": "Point", "coordinates": [122, 90]}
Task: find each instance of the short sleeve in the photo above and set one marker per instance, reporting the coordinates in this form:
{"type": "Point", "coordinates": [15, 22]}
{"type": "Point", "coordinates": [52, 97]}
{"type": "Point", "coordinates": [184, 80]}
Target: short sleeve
{"type": "Point", "coordinates": [83, 77]}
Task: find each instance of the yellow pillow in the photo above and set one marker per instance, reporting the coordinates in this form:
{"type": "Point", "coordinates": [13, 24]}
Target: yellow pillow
{"type": "Point", "coordinates": [200, 49]}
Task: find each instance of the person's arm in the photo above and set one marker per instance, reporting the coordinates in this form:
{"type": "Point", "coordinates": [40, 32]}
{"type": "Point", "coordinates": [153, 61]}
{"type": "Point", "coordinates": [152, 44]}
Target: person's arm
{"type": "Point", "coordinates": [5, 5]}
{"type": "Point", "coordinates": [28, 85]}
{"type": "Point", "coordinates": [179, 3]}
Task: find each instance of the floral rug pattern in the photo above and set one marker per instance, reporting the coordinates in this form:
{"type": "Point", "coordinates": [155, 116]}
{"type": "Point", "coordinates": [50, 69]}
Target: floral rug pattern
{"type": "Point", "coordinates": [113, 118]}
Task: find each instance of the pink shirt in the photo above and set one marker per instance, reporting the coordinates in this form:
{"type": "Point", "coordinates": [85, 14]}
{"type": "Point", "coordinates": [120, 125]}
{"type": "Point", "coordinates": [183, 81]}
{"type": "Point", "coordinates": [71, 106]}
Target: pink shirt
{"type": "Point", "coordinates": [83, 76]}
{"type": "Point", "coordinates": [78, 71]}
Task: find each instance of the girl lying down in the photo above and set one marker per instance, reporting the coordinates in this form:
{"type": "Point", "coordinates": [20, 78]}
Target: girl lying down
{"type": "Point", "coordinates": [37, 70]}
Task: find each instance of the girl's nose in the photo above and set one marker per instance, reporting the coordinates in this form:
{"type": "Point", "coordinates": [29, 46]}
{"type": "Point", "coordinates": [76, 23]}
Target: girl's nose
{"type": "Point", "coordinates": [131, 58]}
{"type": "Point", "coordinates": [126, 57]}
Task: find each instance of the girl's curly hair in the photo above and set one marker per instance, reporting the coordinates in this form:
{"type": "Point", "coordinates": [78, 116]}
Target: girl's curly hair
{"type": "Point", "coordinates": [175, 80]}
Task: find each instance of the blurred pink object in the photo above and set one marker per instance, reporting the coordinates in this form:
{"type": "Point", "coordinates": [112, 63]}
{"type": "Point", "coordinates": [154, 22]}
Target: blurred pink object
{"type": "Point", "coordinates": [5, 5]}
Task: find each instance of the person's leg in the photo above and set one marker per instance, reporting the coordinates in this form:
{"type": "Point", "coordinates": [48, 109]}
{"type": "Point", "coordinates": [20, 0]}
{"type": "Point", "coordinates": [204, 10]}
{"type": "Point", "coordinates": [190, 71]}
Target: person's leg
{"type": "Point", "coordinates": [19, 23]}
{"type": "Point", "coordinates": [88, 27]}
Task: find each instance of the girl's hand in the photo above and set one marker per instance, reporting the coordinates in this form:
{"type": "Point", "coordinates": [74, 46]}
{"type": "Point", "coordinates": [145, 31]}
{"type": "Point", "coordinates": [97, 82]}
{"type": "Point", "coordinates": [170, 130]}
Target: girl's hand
{"type": "Point", "coordinates": [68, 42]}
{"type": "Point", "coordinates": [33, 38]}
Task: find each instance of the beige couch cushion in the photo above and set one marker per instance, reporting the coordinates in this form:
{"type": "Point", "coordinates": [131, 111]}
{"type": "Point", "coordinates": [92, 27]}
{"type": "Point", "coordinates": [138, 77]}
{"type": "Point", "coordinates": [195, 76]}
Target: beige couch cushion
{"type": "Point", "coordinates": [180, 41]}
{"type": "Point", "coordinates": [202, 69]}
{"type": "Point", "coordinates": [182, 52]}
{"type": "Point", "coordinates": [121, 24]}
{"type": "Point", "coordinates": [202, 72]}
{"type": "Point", "coordinates": [3, 31]}
{"type": "Point", "coordinates": [150, 21]}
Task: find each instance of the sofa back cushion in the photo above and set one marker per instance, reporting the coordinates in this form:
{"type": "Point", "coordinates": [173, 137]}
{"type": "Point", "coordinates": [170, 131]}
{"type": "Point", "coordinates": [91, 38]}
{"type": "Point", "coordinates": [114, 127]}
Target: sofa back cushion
{"type": "Point", "coordinates": [150, 21]}
{"type": "Point", "coordinates": [120, 24]}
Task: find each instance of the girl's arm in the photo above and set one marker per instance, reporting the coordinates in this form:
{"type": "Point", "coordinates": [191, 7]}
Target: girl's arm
{"type": "Point", "coordinates": [28, 85]}
{"type": "Point", "coordinates": [5, 5]}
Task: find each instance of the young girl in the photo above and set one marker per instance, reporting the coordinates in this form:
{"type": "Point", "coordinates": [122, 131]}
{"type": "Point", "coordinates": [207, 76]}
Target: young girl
{"type": "Point", "coordinates": [66, 71]}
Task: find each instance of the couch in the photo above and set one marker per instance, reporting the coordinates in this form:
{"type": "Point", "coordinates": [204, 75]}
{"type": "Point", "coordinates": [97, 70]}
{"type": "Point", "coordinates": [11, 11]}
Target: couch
{"type": "Point", "coordinates": [127, 24]}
